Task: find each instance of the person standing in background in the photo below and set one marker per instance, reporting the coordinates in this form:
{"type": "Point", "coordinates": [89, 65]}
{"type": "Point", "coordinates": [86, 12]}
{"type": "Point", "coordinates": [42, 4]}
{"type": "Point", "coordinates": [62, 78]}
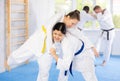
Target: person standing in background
{"type": "Point", "coordinates": [105, 20]}
{"type": "Point", "coordinates": [85, 16]}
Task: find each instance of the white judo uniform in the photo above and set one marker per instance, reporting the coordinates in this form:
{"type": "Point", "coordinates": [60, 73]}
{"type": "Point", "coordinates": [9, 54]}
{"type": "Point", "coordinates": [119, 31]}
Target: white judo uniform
{"type": "Point", "coordinates": [84, 18]}
{"type": "Point", "coordinates": [108, 33]}
{"type": "Point", "coordinates": [83, 62]}
{"type": "Point", "coordinates": [33, 46]}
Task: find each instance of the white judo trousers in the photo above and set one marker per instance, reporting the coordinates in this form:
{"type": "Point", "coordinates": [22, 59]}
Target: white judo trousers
{"type": "Point", "coordinates": [43, 73]}
{"type": "Point", "coordinates": [44, 63]}
{"type": "Point", "coordinates": [106, 44]}
{"type": "Point", "coordinates": [106, 23]}
{"type": "Point", "coordinates": [83, 63]}
{"type": "Point", "coordinates": [32, 47]}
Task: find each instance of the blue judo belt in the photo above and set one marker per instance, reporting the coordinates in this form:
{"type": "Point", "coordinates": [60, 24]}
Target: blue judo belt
{"type": "Point", "coordinates": [77, 53]}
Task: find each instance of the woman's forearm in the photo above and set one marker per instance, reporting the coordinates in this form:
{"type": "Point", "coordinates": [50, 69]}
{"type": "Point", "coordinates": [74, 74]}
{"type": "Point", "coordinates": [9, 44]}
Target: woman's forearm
{"type": "Point", "coordinates": [55, 56]}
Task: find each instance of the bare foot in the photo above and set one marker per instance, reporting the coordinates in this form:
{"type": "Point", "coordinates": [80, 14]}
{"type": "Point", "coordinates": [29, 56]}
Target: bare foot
{"type": "Point", "coordinates": [104, 63]}
{"type": "Point", "coordinates": [27, 61]}
{"type": "Point", "coordinates": [7, 67]}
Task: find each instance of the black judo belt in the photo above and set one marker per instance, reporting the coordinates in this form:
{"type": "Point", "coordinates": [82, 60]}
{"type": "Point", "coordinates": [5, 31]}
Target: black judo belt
{"type": "Point", "coordinates": [77, 53]}
{"type": "Point", "coordinates": [103, 30]}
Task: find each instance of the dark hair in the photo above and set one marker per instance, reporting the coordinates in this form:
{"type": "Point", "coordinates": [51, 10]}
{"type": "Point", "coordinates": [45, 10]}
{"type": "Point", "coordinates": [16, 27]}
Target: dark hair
{"type": "Point", "coordinates": [86, 8]}
{"type": "Point", "coordinates": [60, 26]}
{"type": "Point", "coordinates": [96, 7]}
{"type": "Point", "coordinates": [74, 14]}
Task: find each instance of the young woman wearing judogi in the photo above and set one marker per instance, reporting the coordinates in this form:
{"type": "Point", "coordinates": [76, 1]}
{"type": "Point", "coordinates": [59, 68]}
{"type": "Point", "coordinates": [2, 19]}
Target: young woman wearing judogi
{"type": "Point", "coordinates": [83, 62]}
{"type": "Point", "coordinates": [35, 45]}
{"type": "Point", "coordinates": [58, 34]}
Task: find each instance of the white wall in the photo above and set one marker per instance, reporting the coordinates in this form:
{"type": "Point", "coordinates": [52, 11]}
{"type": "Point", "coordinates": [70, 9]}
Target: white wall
{"type": "Point", "coordinates": [74, 4]}
{"type": "Point", "coordinates": [2, 35]}
{"type": "Point", "coordinates": [93, 35]}
{"type": "Point", "coordinates": [40, 12]}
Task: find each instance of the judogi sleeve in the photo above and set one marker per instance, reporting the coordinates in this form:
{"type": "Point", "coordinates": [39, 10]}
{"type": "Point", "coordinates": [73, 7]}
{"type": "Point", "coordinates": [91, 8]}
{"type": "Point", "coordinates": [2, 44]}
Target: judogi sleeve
{"type": "Point", "coordinates": [78, 34]}
{"type": "Point", "coordinates": [35, 41]}
{"type": "Point", "coordinates": [105, 20]}
{"type": "Point", "coordinates": [69, 46]}
{"type": "Point", "coordinates": [90, 17]}
{"type": "Point", "coordinates": [49, 24]}
{"type": "Point", "coordinates": [54, 19]}
{"type": "Point", "coordinates": [104, 16]}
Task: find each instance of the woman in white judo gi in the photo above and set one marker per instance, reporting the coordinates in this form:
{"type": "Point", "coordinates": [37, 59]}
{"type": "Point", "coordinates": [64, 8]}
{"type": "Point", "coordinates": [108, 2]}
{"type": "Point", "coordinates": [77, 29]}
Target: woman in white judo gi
{"type": "Point", "coordinates": [35, 43]}
{"type": "Point", "coordinates": [58, 33]}
{"type": "Point", "coordinates": [34, 46]}
{"type": "Point", "coordinates": [82, 62]}
{"type": "Point", "coordinates": [105, 20]}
